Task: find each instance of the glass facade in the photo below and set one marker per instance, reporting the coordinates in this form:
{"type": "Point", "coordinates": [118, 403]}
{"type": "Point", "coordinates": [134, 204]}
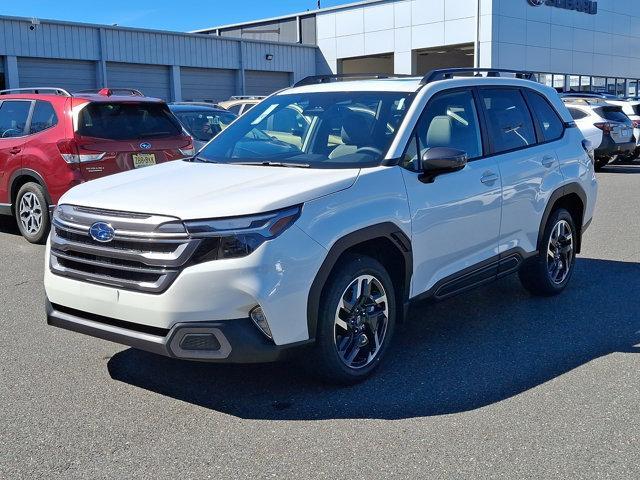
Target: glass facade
{"type": "Point", "coordinates": [620, 87]}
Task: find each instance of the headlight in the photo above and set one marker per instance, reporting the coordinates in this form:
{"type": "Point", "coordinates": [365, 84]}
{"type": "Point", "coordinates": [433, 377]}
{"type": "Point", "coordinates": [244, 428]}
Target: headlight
{"type": "Point", "coordinates": [239, 236]}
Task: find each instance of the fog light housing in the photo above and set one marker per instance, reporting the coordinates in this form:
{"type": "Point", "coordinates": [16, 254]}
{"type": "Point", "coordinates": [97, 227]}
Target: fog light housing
{"type": "Point", "coordinates": [200, 341]}
{"type": "Point", "coordinates": [260, 320]}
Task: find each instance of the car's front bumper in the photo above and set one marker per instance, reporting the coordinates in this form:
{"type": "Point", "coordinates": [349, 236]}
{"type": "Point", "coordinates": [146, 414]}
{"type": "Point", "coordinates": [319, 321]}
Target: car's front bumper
{"type": "Point", "coordinates": [277, 277]}
{"type": "Point", "coordinates": [231, 341]}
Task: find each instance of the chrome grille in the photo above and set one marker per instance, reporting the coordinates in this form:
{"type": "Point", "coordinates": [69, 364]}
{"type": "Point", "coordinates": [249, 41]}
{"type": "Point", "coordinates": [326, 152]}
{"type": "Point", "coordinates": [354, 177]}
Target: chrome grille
{"type": "Point", "coordinates": [146, 254]}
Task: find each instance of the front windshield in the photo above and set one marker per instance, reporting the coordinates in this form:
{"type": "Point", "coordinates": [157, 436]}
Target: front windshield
{"type": "Point", "coordinates": [206, 124]}
{"type": "Point", "coordinates": [324, 129]}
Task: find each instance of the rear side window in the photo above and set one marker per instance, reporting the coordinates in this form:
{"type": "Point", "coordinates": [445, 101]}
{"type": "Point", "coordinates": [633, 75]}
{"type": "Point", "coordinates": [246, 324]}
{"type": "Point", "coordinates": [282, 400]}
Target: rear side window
{"type": "Point", "coordinates": [636, 109]}
{"type": "Point", "coordinates": [550, 124]}
{"type": "Point", "coordinates": [509, 121]}
{"type": "Point", "coordinates": [235, 108]}
{"type": "Point", "coordinates": [13, 118]}
{"type": "Point", "coordinates": [44, 116]}
{"type": "Point", "coordinates": [127, 121]}
{"type": "Point", "coordinates": [449, 120]}
{"type": "Point", "coordinates": [577, 114]}
{"type": "Point", "coordinates": [613, 114]}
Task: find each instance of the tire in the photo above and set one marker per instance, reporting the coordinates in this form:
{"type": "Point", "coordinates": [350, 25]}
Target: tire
{"type": "Point", "coordinates": [600, 163]}
{"type": "Point", "coordinates": [32, 213]}
{"type": "Point", "coordinates": [549, 272]}
{"type": "Point", "coordinates": [340, 332]}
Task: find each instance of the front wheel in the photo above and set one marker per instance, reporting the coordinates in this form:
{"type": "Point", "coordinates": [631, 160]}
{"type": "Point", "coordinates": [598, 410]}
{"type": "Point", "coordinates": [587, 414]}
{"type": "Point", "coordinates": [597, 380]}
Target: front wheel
{"type": "Point", "coordinates": [356, 320]}
{"type": "Point", "coordinates": [32, 213]}
{"type": "Point", "coordinates": [549, 272]}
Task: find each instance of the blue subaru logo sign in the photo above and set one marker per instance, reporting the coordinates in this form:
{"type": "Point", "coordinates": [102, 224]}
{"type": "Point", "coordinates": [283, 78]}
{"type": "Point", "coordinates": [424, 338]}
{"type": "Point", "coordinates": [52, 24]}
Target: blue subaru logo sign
{"type": "Point", "coordinates": [145, 146]}
{"type": "Point", "coordinates": [102, 232]}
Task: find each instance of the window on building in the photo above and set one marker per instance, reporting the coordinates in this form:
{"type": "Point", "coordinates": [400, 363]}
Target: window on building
{"type": "Point", "coordinates": [549, 123]}
{"type": "Point", "coordinates": [509, 121]}
{"type": "Point", "coordinates": [632, 88]}
{"type": "Point", "coordinates": [611, 86]}
{"type": "Point", "coordinates": [585, 84]}
{"type": "Point", "coordinates": [13, 118]}
{"type": "Point", "coordinates": [574, 83]}
{"type": "Point", "coordinates": [44, 116]}
{"type": "Point", "coordinates": [599, 84]}
{"type": "Point", "coordinates": [621, 87]}
{"type": "Point", "coordinates": [558, 82]}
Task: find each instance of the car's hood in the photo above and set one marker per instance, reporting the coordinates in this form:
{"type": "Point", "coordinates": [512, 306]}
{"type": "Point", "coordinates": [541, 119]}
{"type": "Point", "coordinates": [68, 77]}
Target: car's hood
{"type": "Point", "coordinates": [204, 190]}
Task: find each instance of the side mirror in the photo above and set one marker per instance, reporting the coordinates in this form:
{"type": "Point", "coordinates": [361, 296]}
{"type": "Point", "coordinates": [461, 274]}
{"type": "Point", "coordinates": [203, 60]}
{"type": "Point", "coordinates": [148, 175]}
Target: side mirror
{"type": "Point", "coordinates": [439, 160]}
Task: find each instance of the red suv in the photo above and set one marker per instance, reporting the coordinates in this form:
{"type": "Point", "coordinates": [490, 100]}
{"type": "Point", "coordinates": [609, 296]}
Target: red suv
{"type": "Point", "coordinates": [51, 140]}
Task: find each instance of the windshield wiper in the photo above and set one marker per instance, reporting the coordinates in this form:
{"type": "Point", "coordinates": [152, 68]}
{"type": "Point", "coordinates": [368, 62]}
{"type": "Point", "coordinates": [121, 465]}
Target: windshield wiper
{"type": "Point", "coordinates": [274, 164]}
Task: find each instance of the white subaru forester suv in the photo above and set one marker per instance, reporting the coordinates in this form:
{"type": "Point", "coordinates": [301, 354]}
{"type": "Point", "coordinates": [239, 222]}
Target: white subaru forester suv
{"type": "Point", "coordinates": [314, 220]}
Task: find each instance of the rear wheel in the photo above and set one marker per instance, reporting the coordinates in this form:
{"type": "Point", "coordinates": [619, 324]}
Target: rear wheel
{"type": "Point", "coordinates": [32, 213]}
{"type": "Point", "coordinates": [356, 320]}
{"type": "Point", "coordinates": [549, 272]}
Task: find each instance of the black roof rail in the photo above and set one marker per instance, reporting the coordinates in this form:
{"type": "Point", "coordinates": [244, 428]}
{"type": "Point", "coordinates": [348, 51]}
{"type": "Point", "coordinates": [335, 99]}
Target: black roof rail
{"type": "Point", "coordinates": [37, 90]}
{"type": "Point", "coordinates": [448, 73]}
{"type": "Point", "coordinates": [317, 79]}
{"type": "Point", "coordinates": [112, 91]}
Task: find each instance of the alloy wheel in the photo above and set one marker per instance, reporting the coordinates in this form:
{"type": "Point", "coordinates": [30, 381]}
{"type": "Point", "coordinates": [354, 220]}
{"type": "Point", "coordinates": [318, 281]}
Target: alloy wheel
{"type": "Point", "coordinates": [361, 321]}
{"type": "Point", "coordinates": [30, 211]}
{"type": "Point", "coordinates": [560, 252]}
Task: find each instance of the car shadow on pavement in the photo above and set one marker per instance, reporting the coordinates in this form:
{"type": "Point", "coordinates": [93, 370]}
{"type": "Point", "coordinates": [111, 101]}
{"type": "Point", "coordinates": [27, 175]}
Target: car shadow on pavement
{"type": "Point", "coordinates": [8, 225]}
{"type": "Point", "coordinates": [465, 353]}
{"type": "Point", "coordinates": [625, 168]}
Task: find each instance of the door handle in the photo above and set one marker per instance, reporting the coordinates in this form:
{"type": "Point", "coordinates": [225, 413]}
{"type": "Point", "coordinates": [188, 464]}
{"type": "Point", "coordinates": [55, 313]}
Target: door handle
{"type": "Point", "coordinates": [548, 161]}
{"type": "Point", "coordinates": [489, 178]}
{"type": "Point", "coordinates": [15, 150]}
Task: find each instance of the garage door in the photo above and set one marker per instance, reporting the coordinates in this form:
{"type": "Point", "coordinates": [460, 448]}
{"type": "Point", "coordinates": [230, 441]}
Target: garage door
{"type": "Point", "coordinates": [265, 83]}
{"type": "Point", "coordinates": [152, 80]}
{"type": "Point", "coordinates": [72, 75]}
{"type": "Point", "coordinates": [210, 84]}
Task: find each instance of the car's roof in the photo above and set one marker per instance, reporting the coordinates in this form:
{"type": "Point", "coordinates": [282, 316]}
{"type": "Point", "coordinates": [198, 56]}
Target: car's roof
{"type": "Point", "coordinates": [195, 107]}
{"type": "Point", "coordinates": [89, 97]}
{"type": "Point", "coordinates": [407, 84]}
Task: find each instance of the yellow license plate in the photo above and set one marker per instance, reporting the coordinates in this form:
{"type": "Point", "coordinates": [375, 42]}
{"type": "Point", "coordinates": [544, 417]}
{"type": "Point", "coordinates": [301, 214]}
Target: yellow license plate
{"type": "Point", "coordinates": [141, 160]}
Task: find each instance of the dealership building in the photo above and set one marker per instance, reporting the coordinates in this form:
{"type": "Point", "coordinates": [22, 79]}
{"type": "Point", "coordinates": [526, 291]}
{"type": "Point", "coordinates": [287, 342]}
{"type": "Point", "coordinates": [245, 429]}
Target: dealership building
{"type": "Point", "coordinates": [570, 44]}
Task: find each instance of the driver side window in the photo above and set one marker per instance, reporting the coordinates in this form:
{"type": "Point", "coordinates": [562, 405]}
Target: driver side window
{"type": "Point", "coordinates": [13, 118]}
{"type": "Point", "coordinates": [450, 119]}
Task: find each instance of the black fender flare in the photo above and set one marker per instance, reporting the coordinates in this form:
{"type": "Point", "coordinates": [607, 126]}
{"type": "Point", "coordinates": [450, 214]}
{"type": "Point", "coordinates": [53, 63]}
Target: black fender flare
{"type": "Point", "coordinates": [386, 230]}
{"type": "Point", "coordinates": [27, 172]}
{"type": "Point", "coordinates": [563, 191]}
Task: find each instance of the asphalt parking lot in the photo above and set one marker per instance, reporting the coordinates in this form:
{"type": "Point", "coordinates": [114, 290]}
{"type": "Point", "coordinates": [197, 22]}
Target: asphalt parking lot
{"type": "Point", "coordinates": [495, 384]}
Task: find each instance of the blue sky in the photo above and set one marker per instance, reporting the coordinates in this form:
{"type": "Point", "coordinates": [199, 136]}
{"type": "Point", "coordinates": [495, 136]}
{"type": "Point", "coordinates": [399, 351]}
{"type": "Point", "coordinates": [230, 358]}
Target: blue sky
{"type": "Point", "coordinates": [181, 15]}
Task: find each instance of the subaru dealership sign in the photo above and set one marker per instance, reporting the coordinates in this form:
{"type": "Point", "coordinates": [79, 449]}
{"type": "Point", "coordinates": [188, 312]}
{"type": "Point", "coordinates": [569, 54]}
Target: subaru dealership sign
{"type": "Point", "coordinates": [586, 6]}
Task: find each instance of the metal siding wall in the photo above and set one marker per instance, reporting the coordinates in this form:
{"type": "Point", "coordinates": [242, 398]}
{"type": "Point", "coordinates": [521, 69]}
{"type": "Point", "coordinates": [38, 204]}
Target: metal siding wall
{"type": "Point", "coordinates": [49, 40]}
{"type": "Point", "coordinates": [308, 26]}
{"type": "Point", "coordinates": [124, 45]}
{"type": "Point", "coordinates": [72, 75]}
{"type": "Point", "coordinates": [170, 49]}
{"type": "Point", "coordinates": [152, 80]}
{"type": "Point", "coordinates": [207, 84]}
{"type": "Point", "coordinates": [265, 83]}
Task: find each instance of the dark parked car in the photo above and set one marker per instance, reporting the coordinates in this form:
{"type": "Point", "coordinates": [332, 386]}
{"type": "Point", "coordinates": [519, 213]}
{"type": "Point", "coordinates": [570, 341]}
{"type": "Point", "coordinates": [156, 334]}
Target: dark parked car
{"type": "Point", "coordinates": [202, 121]}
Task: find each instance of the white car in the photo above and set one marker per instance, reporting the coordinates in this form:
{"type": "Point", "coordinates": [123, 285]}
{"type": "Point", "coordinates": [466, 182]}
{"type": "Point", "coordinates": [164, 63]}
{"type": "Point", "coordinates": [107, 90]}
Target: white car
{"type": "Point", "coordinates": [605, 126]}
{"type": "Point", "coordinates": [631, 108]}
{"type": "Point", "coordinates": [398, 190]}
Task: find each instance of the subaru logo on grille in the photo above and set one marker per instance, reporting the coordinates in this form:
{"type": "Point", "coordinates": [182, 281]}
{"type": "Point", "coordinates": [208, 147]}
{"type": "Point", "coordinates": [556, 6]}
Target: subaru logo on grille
{"type": "Point", "coordinates": [102, 232]}
{"type": "Point", "coordinates": [145, 146]}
